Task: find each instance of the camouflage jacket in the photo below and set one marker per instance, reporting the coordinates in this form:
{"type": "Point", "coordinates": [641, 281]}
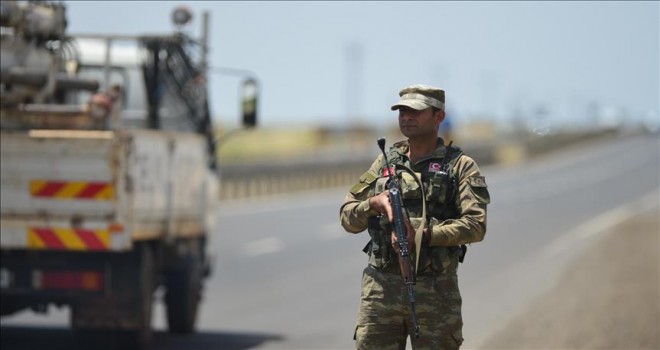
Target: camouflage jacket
{"type": "Point", "coordinates": [457, 220]}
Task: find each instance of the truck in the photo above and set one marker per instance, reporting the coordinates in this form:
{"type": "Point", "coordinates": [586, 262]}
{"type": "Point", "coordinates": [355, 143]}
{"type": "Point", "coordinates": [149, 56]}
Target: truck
{"type": "Point", "coordinates": [109, 175]}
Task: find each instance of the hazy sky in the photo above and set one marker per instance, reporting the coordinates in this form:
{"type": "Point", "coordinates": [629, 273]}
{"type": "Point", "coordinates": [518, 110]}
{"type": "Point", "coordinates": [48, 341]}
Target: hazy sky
{"type": "Point", "coordinates": [344, 62]}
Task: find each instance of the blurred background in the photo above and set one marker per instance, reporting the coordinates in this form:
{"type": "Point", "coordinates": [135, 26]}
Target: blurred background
{"type": "Point", "coordinates": [329, 71]}
{"type": "Point", "coordinates": [558, 102]}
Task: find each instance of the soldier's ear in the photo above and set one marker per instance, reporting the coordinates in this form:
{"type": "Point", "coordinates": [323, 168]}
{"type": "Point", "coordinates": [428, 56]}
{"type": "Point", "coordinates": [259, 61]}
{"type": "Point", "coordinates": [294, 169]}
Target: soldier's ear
{"type": "Point", "coordinates": [440, 114]}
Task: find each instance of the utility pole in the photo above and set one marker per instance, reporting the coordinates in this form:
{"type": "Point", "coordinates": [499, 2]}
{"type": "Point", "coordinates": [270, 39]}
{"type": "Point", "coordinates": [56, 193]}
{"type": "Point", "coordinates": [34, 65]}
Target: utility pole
{"type": "Point", "coordinates": [354, 81]}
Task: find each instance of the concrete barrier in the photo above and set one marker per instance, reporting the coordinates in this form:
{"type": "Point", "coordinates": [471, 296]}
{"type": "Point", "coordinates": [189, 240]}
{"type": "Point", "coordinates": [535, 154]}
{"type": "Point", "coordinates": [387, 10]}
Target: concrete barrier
{"type": "Point", "coordinates": [304, 174]}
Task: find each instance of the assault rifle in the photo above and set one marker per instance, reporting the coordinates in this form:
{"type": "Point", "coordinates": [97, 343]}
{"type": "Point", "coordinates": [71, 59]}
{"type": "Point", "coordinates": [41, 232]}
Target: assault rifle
{"type": "Point", "coordinates": [407, 271]}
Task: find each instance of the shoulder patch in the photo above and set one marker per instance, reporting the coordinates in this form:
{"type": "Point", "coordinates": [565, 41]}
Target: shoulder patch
{"type": "Point", "coordinates": [477, 181]}
{"type": "Point", "coordinates": [365, 180]}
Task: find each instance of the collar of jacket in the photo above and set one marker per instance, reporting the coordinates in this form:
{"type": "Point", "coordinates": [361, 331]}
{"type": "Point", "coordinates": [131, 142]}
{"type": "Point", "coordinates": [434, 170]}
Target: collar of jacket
{"type": "Point", "coordinates": [401, 149]}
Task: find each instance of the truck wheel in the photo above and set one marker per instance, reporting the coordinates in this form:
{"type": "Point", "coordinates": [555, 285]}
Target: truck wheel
{"type": "Point", "coordinates": [184, 289]}
{"type": "Point", "coordinates": [141, 337]}
{"type": "Point", "coordinates": [131, 300]}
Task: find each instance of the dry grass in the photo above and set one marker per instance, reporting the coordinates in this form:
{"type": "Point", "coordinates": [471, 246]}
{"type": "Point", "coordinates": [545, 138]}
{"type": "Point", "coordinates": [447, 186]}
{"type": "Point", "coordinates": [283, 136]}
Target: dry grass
{"type": "Point", "coordinates": [267, 144]}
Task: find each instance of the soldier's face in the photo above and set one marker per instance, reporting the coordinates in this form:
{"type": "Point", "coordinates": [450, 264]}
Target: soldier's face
{"type": "Point", "coordinates": [414, 123]}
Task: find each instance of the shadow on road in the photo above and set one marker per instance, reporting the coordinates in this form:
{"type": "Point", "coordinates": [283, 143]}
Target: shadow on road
{"type": "Point", "coordinates": [57, 338]}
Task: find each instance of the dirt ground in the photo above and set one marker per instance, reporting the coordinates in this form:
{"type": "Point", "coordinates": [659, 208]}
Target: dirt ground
{"type": "Point", "coordinates": [609, 298]}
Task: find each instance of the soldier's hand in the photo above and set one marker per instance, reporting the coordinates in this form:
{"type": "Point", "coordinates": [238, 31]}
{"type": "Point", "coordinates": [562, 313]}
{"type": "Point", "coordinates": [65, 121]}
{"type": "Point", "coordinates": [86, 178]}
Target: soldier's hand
{"type": "Point", "coordinates": [426, 237]}
{"type": "Point", "coordinates": [410, 238]}
{"type": "Point", "coordinates": [381, 204]}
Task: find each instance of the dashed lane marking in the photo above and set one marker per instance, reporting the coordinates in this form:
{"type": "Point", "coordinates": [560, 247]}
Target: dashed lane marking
{"type": "Point", "coordinates": [332, 230]}
{"type": "Point", "coordinates": [263, 246]}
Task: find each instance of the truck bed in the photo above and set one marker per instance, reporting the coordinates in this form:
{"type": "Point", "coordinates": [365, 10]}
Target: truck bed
{"type": "Point", "coordinates": [87, 190]}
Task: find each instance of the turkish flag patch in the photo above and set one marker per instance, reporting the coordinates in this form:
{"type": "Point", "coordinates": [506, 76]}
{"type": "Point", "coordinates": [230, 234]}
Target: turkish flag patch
{"type": "Point", "coordinates": [388, 171]}
{"type": "Point", "coordinates": [434, 167]}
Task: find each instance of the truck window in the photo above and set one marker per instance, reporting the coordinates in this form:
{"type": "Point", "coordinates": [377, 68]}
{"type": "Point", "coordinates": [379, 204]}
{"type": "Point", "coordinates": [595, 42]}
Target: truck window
{"type": "Point", "coordinates": [130, 79]}
{"type": "Point", "coordinates": [126, 59]}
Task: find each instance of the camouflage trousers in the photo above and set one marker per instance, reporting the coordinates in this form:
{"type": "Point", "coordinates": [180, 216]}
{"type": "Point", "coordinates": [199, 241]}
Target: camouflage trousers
{"type": "Point", "coordinates": [385, 317]}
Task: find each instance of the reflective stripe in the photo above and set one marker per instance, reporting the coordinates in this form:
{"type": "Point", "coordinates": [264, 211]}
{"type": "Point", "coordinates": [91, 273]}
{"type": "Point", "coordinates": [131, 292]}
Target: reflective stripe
{"type": "Point", "coordinates": [68, 238]}
{"type": "Point", "coordinates": [72, 190]}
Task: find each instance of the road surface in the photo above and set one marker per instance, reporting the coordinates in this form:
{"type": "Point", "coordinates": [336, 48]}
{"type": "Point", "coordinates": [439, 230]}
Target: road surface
{"type": "Point", "coordinates": [288, 277]}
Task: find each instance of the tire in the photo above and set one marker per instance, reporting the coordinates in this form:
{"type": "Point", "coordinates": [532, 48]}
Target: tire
{"type": "Point", "coordinates": [183, 295]}
{"type": "Point", "coordinates": [134, 284]}
{"type": "Point", "coordinates": [141, 337]}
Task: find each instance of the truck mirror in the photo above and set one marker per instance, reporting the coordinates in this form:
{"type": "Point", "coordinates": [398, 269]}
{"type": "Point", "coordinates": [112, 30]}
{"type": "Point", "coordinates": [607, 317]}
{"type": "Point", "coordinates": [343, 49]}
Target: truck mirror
{"type": "Point", "coordinates": [250, 98]}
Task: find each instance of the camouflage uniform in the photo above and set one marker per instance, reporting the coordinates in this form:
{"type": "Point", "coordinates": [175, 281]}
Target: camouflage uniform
{"type": "Point", "coordinates": [456, 212]}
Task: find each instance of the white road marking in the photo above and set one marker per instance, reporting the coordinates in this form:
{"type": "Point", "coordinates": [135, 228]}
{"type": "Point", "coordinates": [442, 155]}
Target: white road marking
{"type": "Point", "coordinates": [332, 230]}
{"type": "Point", "coordinates": [263, 246]}
{"type": "Point", "coordinates": [514, 288]}
{"type": "Point", "coordinates": [601, 223]}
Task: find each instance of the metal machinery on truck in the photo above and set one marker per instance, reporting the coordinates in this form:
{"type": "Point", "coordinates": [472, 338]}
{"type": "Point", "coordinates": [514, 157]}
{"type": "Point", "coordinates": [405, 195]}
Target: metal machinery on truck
{"type": "Point", "coordinates": [108, 172]}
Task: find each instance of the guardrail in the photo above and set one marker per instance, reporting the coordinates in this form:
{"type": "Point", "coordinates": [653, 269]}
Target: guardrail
{"type": "Point", "coordinates": [269, 178]}
{"type": "Point", "coordinates": [254, 180]}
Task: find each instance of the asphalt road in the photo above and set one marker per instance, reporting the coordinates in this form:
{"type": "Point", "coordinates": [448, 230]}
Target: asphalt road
{"type": "Point", "coordinates": [288, 277]}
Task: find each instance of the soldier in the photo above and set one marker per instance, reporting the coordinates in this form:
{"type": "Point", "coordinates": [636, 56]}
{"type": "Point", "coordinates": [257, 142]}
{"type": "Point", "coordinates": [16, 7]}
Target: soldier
{"type": "Point", "coordinates": [456, 197]}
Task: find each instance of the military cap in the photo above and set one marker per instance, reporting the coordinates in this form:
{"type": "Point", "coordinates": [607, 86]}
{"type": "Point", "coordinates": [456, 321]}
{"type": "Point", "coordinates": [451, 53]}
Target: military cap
{"type": "Point", "coordinates": [421, 97]}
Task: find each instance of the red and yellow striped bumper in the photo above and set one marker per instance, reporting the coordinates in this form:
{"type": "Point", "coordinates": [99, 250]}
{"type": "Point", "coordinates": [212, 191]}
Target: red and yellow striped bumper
{"type": "Point", "coordinates": [68, 239]}
{"type": "Point", "coordinates": [72, 190]}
